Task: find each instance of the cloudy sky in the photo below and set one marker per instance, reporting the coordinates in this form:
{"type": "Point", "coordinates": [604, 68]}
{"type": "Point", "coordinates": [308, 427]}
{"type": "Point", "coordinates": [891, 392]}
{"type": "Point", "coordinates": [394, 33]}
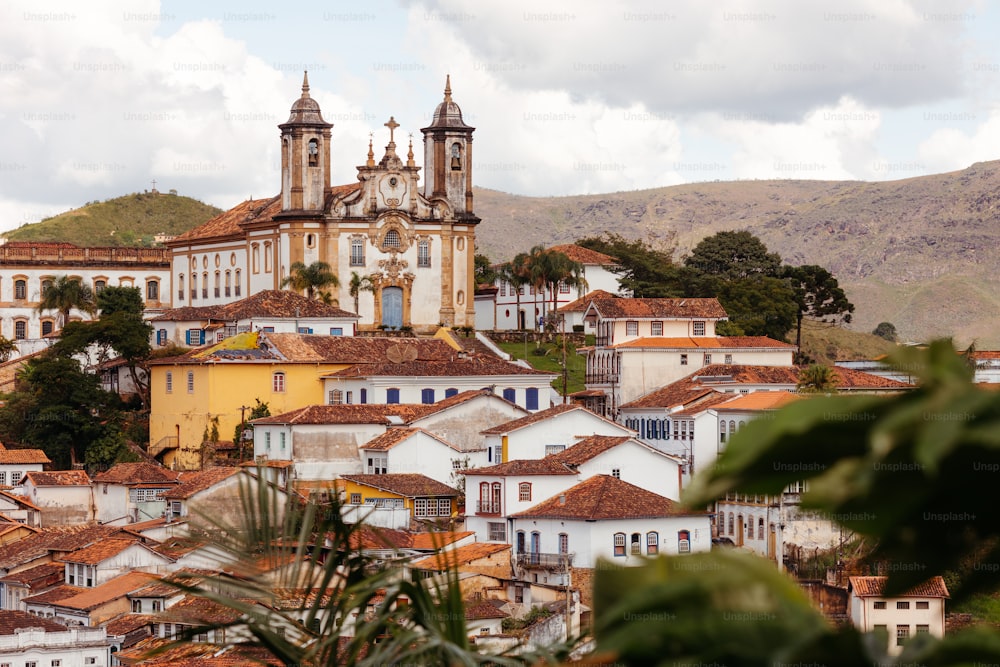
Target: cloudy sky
{"type": "Point", "coordinates": [98, 99]}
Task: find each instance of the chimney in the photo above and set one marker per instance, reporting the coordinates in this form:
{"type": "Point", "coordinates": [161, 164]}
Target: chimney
{"type": "Point", "coordinates": [562, 498]}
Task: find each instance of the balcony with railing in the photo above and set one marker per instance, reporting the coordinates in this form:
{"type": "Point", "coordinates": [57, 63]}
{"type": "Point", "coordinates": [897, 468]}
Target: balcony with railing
{"type": "Point", "coordinates": [540, 561]}
{"type": "Point", "coordinates": [488, 508]}
{"type": "Point", "coordinates": [602, 377]}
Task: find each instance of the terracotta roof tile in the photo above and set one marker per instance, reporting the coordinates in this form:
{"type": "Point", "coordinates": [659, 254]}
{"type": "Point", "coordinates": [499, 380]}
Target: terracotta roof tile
{"type": "Point", "coordinates": [128, 623]}
{"type": "Point", "coordinates": [616, 308]}
{"type": "Point", "coordinates": [228, 222]}
{"type": "Point", "coordinates": [534, 418]}
{"type": "Point", "coordinates": [91, 598]}
{"type": "Point", "coordinates": [199, 480]}
{"type": "Point", "coordinates": [708, 401]}
{"type": "Point", "coordinates": [12, 620]}
{"type": "Point", "coordinates": [470, 366]}
{"type": "Point", "coordinates": [461, 556]}
{"type": "Point", "coordinates": [875, 586]}
{"type": "Point", "coordinates": [137, 473]}
{"type": "Point", "coordinates": [517, 467]}
{"type": "Point", "coordinates": [603, 497]}
{"type": "Point", "coordinates": [267, 303]}
{"type": "Point", "coordinates": [58, 478]}
{"type": "Point", "coordinates": [54, 595]}
{"type": "Point", "coordinates": [706, 343]}
{"type": "Point", "coordinates": [353, 350]}
{"type": "Point", "coordinates": [759, 400]}
{"type": "Point", "coordinates": [390, 438]}
{"type": "Point", "coordinates": [354, 413]}
{"type": "Point", "coordinates": [52, 540]}
{"type": "Point", "coordinates": [588, 448]}
{"type": "Point", "coordinates": [430, 541]}
{"type": "Point", "coordinates": [580, 305]}
{"type": "Point", "coordinates": [676, 394]}
{"type": "Point", "coordinates": [12, 456]}
{"type": "Point", "coordinates": [20, 500]}
{"type": "Point", "coordinates": [583, 255]}
{"type": "Point", "coordinates": [408, 485]}
{"type": "Point", "coordinates": [100, 551]}
{"type": "Point", "coordinates": [39, 572]}
{"type": "Point", "coordinates": [372, 537]}
{"type": "Point", "coordinates": [200, 611]}
{"type": "Point", "coordinates": [478, 610]}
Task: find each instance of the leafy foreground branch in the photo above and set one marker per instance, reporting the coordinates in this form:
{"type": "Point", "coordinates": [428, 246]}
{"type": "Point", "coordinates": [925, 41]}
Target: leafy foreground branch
{"type": "Point", "coordinates": [296, 584]}
{"type": "Point", "coordinates": [915, 473]}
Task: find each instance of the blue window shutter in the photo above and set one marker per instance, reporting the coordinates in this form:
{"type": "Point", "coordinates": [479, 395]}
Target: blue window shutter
{"type": "Point", "coordinates": [364, 396]}
{"type": "Point", "coordinates": [509, 394]}
{"type": "Point", "coordinates": [531, 398]}
{"type": "Point", "coordinates": [187, 337]}
{"type": "Point", "coordinates": [451, 391]}
{"type": "Point", "coordinates": [161, 336]}
{"type": "Point", "coordinates": [426, 395]}
{"type": "Point", "coordinates": [392, 396]}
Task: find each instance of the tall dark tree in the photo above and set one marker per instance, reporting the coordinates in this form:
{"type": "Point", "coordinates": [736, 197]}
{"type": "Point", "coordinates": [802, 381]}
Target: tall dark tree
{"type": "Point", "coordinates": [485, 272]}
{"type": "Point", "coordinates": [643, 270]}
{"type": "Point", "coordinates": [548, 269]}
{"type": "Point", "coordinates": [761, 306]}
{"type": "Point", "coordinates": [734, 256]}
{"type": "Point", "coordinates": [817, 295]}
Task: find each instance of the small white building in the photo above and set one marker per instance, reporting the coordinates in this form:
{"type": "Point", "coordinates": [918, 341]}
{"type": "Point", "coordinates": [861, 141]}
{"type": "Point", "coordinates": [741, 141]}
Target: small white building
{"type": "Point", "coordinates": [414, 450]}
{"type": "Point", "coordinates": [14, 463]}
{"type": "Point", "coordinates": [916, 612]}
{"type": "Point", "coordinates": [108, 559]}
{"type": "Point", "coordinates": [64, 497]}
{"type": "Point", "coordinates": [26, 639]}
{"type": "Point", "coordinates": [132, 492]}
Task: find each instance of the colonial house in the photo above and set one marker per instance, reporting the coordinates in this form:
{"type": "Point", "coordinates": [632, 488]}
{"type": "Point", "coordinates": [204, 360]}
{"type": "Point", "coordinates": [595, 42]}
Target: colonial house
{"type": "Point", "coordinates": [574, 311]}
{"type": "Point", "coordinates": [271, 311]}
{"type": "Point", "coordinates": [132, 492]}
{"type": "Point", "coordinates": [18, 509]}
{"type": "Point", "coordinates": [412, 450]}
{"type": "Point", "coordinates": [643, 344]}
{"type": "Point", "coordinates": [919, 611]}
{"type": "Point", "coordinates": [65, 497]}
{"type": "Point", "coordinates": [603, 518]}
{"type": "Point", "coordinates": [215, 387]}
{"type": "Point", "coordinates": [29, 582]}
{"type": "Point", "coordinates": [99, 563]}
{"type": "Point", "coordinates": [521, 308]}
{"type": "Point", "coordinates": [415, 244]}
{"type": "Point", "coordinates": [479, 557]}
{"type": "Point", "coordinates": [392, 500]}
{"type": "Point", "coordinates": [546, 432]}
{"type": "Point", "coordinates": [88, 607]}
{"type": "Point", "coordinates": [211, 494]}
{"type": "Point", "coordinates": [26, 268]}
{"type": "Point", "coordinates": [627, 459]}
{"type": "Point", "coordinates": [26, 639]}
{"type": "Point", "coordinates": [14, 463]}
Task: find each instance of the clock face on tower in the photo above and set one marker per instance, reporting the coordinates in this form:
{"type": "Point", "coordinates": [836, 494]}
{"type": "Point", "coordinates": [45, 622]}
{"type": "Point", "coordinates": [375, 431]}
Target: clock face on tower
{"type": "Point", "coordinates": [392, 190]}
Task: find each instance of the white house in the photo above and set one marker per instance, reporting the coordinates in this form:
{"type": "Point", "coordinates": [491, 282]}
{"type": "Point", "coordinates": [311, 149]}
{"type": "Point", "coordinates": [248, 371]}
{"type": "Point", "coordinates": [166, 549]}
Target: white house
{"type": "Point", "coordinates": [99, 563]}
{"type": "Point", "coordinates": [916, 612]}
{"type": "Point", "coordinates": [627, 459]}
{"type": "Point", "coordinates": [604, 518]}
{"type": "Point", "coordinates": [272, 311]}
{"type": "Point", "coordinates": [132, 492]}
{"type": "Point", "coordinates": [26, 639]}
{"type": "Point", "coordinates": [546, 432]}
{"type": "Point", "coordinates": [19, 509]}
{"type": "Point", "coordinates": [14, 463]}
{"type": "Point", "coordinates": [402, 449]}
{"type": "Point", "coordinates": [213, 493]}
{"type": "Point", "coordinates": [65, 497]}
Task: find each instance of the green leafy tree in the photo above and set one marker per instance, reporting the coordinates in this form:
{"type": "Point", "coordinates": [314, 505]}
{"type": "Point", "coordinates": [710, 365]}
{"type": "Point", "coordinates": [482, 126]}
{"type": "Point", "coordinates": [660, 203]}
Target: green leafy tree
{"type": "Point", "coordinates": [258, 410]}
{"type": "Point", "coordinates": [550, 268]}
{"type": "Point", "coordinates": [761, 306]}
{"type": "Point", "coordinates": [109, 449]}
{"type": "Point", "coordinates": [485, 272]}
{"type": "Point", "coordinates": [7, 349]}
{"type": "Point", "coordinates": [912, 474]}
{"type": "Point", "coordinates": [312, 279]}
{"type": "Point", "coordinates": [886, 330]}
{"type": "Point", "coordinates": [358, 285]}
{"type": "Point", "coordinates": [734, 256]}
{"type": "Point", "coordinates": [817, 379]}
{"type": "Point", "coordinates": [63, 295]}
{"type": "Point", "coordinates": [818, 296]}
{"type": "Point", "coordinates": [644, 271]}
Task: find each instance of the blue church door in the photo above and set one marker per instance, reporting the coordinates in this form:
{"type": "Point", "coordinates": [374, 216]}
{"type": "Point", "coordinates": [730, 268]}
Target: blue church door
{"type": "Point", "coordinates": [392, 307]}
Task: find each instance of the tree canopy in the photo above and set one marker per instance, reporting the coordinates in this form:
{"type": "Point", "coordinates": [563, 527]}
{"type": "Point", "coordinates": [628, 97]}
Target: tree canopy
{"type": "Point", "coordinates": [644, 271]}
{"type": "Point", "coordinates": [817, 295]}
{"type": "Point", "coordinates": [312, 279]}
{"type": "Point", "coordinates": [734, 256]}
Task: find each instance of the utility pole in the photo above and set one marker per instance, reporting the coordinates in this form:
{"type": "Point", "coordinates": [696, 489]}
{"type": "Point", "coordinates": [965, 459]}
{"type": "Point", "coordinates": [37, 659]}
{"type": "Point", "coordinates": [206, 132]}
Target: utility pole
{"type": "Point", "coordinates": [243, 428]}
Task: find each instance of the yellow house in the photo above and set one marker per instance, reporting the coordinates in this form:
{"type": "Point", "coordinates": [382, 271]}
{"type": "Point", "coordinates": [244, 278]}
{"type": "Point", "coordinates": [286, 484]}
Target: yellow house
{"type": "Point", "coordinates": [219, 385]}
{"type": "Point", "coordinates": [421, 497]}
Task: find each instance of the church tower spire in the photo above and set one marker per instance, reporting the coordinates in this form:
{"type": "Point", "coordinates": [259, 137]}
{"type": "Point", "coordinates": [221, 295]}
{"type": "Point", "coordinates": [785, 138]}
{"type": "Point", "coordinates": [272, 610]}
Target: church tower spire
{"type": "Point", "coordinates": [448, 157]}
{"type": "Point", "coordinates": [305, 155]}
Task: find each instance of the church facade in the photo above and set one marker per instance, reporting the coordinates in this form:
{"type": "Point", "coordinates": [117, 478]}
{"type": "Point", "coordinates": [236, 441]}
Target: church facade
{"type": "Point", "coordinates": [411, 245]}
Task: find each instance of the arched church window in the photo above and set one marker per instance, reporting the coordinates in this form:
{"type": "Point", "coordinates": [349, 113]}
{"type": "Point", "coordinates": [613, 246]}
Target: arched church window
{"type": "Point", "coordinates": [456, 156]}
{"type": "Point", "coordinates": [391, 239]}
{"type": "Point", "coordinates": [313, 153]}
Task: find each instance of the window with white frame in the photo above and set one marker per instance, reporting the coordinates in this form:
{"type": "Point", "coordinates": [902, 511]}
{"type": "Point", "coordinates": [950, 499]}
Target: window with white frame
{"type": "Point", "coordinates": [278, 382]}
{"type": "Point", "coordinates": [496, 531]}
{"type": "Point", "coordinates": [563, 543]}
{"type": "Point", "coordinates": [190, 382]}
{"type": "Point", "coordinates": [335, 397]}
{"type": "Point", "coordinates": [729, 359]}
{"type": "Point", "coordinates": [357, 251]}
{"type": "Point", "coordinates": [563, 288]}
{"type": "Point", "coordinates": [631, 328]}
{"type": "Point", "coordinates": [902, 634]}
{"type": "Point", "coordinates": [708, 359]}
{"type": "Point", "coordinates": [423, 253]}
{"type": "Point", "coordinates": [656, 328]}
{"type": "Point", "coordinates": [378, 464]}
{"type": "Point", "coordinates": [554, 449]}
{"type": "Point", "coordinates": [444, 506]}
{"type": "Point", "coordinates": [698, 328]}
{"type": "Point", "coordinates": [619, 544]}
{"type": "Point", "coordinates": [652, 543]}
{"type": "Point", "coordinates": [355, 498]}
{"type": "Point", "coordinates": [170, 382]}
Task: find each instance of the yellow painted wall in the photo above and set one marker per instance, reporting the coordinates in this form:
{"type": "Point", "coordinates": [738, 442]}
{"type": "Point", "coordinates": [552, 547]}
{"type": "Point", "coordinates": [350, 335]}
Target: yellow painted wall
{"type": "Point", "coordinates": [219, 391]}
{"type": "Point", "coordinates": [366, 491]}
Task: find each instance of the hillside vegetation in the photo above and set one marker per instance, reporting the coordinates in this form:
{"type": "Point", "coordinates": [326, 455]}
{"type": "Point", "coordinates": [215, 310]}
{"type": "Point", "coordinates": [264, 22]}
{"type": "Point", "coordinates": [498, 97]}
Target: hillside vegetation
{"type": "Point", "coordinates": [131, 220]}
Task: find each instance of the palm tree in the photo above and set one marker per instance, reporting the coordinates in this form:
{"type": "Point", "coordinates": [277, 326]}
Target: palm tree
{"type": "Point", "coordinates": [312, 278]}
{"type": "Point", "coordinates": [515, 273]}
{"type": "Point", "coordinates": [547, 269]}
{"type": "Point", "coordinates": [64, 294]}
{"type": "Point", "coordinates": [817, 379]}
{"type": "Point", "coordinates": [358, 285]}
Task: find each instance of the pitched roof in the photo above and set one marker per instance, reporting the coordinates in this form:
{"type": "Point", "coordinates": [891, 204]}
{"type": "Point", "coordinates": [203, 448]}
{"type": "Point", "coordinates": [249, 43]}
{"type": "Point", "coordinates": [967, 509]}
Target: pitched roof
{"type": "Point", "coordinates": [137, 473]}
{"type": "Point", "coordinates": [12, 620]}
{"type": "Point", "coordinates": [705, 343]}
{"type": "Point", "coordinates": [35, 573]}
{"type": "Point", "coordinates": [583, 255]}
{"type": "Point", "coordinates": [408, 485]}
{"type": "Point", "coordinates": [353, 413]}
{"type": "Point", "coordinates": [518, 467]}
{"type": "Point", "coordinates": [676, 394]}
{"type": "Point", "coordinates": [52, 540]}
{"type": "Point", "coordinates": [58, 478]}
{"type": "Point", "coordinates": [588, 448]}
{"type": "Point", "coordinates": [581, 304]}
{"type": "Point", "coordinates": [618, 308]}
{"type": "Point", "coordinates": [53, 595]}
{"type": "Point", "coordinates": [536, 417]}
{"type": "Point", "coordinates": [91, 598]}
{"type": "Point", "coordinates": [875, 587]}
{"type": "Point", "coordinates": [474, 365]}
{"type": "Point", "coordinates": [469, 553]}
{"type": "Point", "coordinates": [266, 303]}
{"type": "Point", "coordinates": [603, 497]}
{"type": "Point", "coordinates": [20, 500]}
{"type": "Point", "coordinates": [373, 537]}
{"type": "Point", "coordinates": [199, 480]}
{"type": "Point", "coordinates": [478, 610]}
{"type": "Point", "coordinates": [17, 456]}
{"type": "Point", "coordinates": [759, 400]}
{"type": "Point", "coordinates": [228, 222]}
{"type": "Point", "coordinates": [102, 550]}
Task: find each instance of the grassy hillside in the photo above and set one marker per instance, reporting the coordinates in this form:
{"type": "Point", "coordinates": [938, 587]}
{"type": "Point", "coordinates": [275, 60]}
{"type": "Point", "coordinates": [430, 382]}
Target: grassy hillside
{"type": "Point", "coordinates": [131, 220]}
{"type": "Point", "coordinates": [827, 344]}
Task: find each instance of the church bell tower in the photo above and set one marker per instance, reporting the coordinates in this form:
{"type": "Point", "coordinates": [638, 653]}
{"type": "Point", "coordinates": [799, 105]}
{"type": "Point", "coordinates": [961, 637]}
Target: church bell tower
{"type": "Point", "coordinates": [448, 158]}
{"type": "Point", "coordinates": [305, 156]}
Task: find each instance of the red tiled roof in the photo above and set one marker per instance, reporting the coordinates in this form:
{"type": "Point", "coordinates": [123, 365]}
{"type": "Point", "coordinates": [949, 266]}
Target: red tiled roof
{"type": "Point", "coordinates": [267, 303]}
{"type": "Point", "coordinates": [12, 620]}
{"type": "Point", "coordinates": [478, 610]}
{"type": "Point", "coordinates": [583, 255]}
{"type": "Point", "coordinates": [676, 394]}
{"type": "Point", "coordinates": [708, 401]}
{"type": "Point", "coordinates": [875, 586]}
{"type": "Point", "coordinates": [517, 467]}
{"type": "Point", "coordinates": [588, 448]}
{"type": "Point", "coordinates": [228, 222]}
{"type": "Point", "coordinates": [470, 366]}
{"type": "Point", "coordinates": [706, 343]}
{"type": "Point", "coordinates": [137, 473]}
{"type": "Point", "coordinates": [603, 497]}
{"type": "Point", "coordinates": [20, 500]}
{"type": "Point", "coordinates": [617, 308]}
{"type": "Point", "coordinates": [390, 438]}
{"type": "Point", "coordinates": [11, 456]}
{"type": "Point", "coordinates": [197, 481]}
{"type": "Point", "coordinates": [580, 305]}
{"type": "Point", "coordinates": [35, 573]}
{"type": "Point", "coordinates": [353, 350]}
{"type": "Point", "coordinates": [54, 595]}
{"type": "Point", "coordinates": [58, 478]}
{"type": "Point", "coordinates": [461, 556]}
{"type": "Point", "coordinates": [536, 417]}
{"type": "Point", "coordinates": [759, 400]}
{"type": "Point", "coordinates": [128, 623]}
{"type": "Point", "coordinates": [354, 413]}
{"type": "Point", "coordinates": [53, 540]}
{"type": "Point", "coordinates": [91, 598]}
{"type": "Point", "coordinates": [408, 485]}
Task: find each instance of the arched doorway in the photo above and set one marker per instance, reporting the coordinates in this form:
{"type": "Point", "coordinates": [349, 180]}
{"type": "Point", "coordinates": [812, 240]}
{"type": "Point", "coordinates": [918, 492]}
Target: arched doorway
{"type": "Point", "coordinates": [392, 307]}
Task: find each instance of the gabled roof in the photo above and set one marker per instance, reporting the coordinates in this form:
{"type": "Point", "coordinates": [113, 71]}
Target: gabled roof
{"type": "Point", "coordinates": [264, 304]}
{"type": "Point", "coordinates": [479, 610]}
{"type": "Point", "coordinates": [19, 500]}
{"type": "Point", "coordinates": [451, 558]}
{"type": "Point", "coordinates": [58, 478]}
{"type": "Point", "coordinates": [581, 304]}
{"type": "Point", "coordinates": [39, 572]}
{"type": "Point", "coordinates": [875, 587]}
{"type": "Point", "coordinates": [408, 485]}
{"type": "Point", "coordinates": [19, 456]}
{"type": "Point", "coordinates": [12, 620]}
{"type": "Point", "coordinates": [685, 391]}
{"type": "Point", "coordinates": [588, 448]}
{"type": "Point", "coordinates": [353, 413]}
{"type": "Point", "coordinates": [228, 222]}
{"type": "Point", "coordinates": [91, 598]}
{"type": "Point", "coordinates": [621, 308]}
{"type": "Point", "coordinates": [130, 474]}
{"type": "Point", "coordinates": [540, 416]}
{"type": "Point", "coordinates": [397, 435]}
{"type": "Point", "coordinates": [759, 400]}
{"type": "Point", "coordinates": [53, 540]}
{"type": "Point", "coordinates": [199, 480]}
{"type": "Point", "coordinates": [102, 550]}
{"type": "Point", "coordinates": [373, 537]}
{"type": "Point", "coordinates": [603, 497]}
{"type": "Point", "coordinates": [704, 343]}
{"type": "Point", "coordinates": [518, 467]}
{"type": "Point", "coordinates": [473, 365]}
{"type": "Point", "coordinates": [583, 255]}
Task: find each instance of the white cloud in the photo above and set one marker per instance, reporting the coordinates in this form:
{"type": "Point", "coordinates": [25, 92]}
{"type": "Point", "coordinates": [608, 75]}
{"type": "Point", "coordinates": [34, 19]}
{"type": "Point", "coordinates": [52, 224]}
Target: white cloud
{"type": "Point", "coordinates": [948, 149]}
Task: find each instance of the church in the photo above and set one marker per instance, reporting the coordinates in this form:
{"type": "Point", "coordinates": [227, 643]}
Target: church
{"type": "Point", "coordinates": [412, 246]}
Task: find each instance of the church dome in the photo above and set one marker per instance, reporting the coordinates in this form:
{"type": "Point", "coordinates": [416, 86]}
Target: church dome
{"type": "Point", "coordinates": [305, 110]}
{"type": "Point", "coordinates": [448, 114]}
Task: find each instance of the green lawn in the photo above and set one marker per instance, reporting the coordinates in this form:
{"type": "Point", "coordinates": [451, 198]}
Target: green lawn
{"type": "Point", "coordinates": [548, 357]}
